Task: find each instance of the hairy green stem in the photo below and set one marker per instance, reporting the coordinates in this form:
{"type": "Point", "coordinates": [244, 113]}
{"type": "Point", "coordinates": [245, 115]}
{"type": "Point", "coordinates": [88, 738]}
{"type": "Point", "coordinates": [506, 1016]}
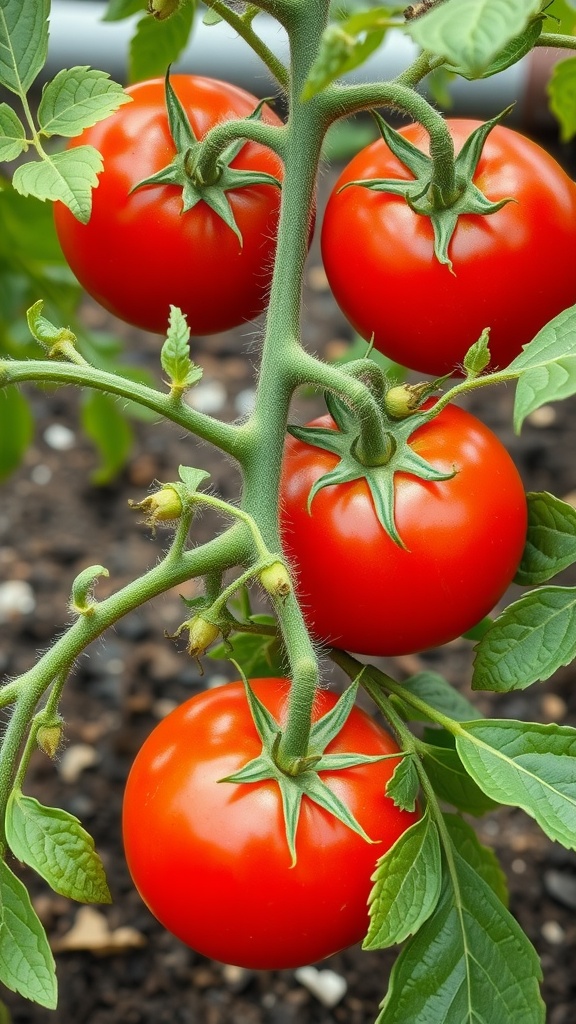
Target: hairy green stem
{"type": "Point", "coordinates": [343, 100]}
{"type": "Point", "coordinates": [221, 135]}
{"type": "Point", "coordinates": [556, 40]}
{"type": "Point", "coordinates": [264, 433]}
{"type": "Point", "coordinates": [223, 435]}
{"type": "Point", "coordinates": [228, 549]}
{"type": "Point", "coordinates": [246, 31]}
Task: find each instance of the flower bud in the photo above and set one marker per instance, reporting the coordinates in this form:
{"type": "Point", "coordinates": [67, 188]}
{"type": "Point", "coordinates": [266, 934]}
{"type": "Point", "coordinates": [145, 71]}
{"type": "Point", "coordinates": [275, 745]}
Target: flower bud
{"type": "Point", "coordinates": [162, 9]}
{"type": "Point", "coordinates": [161, 507]}
{"type": "Point", "coordinates": [404, 399]}
{"type": "Point", "coordinates": [275, 580]}
{"type": "Point", "coordinates": [49, 736]}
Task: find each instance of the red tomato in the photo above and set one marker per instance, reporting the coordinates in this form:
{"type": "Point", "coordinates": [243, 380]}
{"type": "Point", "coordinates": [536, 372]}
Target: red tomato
{"type": "Point", "coordinates": [464, 538]}
{"type": "Point", "coordinates": [514, 270]}
{"type": "Point", "coordinates": [210, 858]}
{"type": "Point", "coordinates": [139, 253]}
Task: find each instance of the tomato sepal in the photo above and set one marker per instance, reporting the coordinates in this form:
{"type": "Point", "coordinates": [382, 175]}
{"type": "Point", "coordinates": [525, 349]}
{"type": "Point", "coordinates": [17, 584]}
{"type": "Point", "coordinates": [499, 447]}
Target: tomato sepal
{"type": "Point", "coordinates": [344, 443]}
{"type": "Point", "coordinates": [183, 169]}
{"type": "Point", "coordinates": [301, 778]}
{"type": "Point", "coordinates": [427, 197]}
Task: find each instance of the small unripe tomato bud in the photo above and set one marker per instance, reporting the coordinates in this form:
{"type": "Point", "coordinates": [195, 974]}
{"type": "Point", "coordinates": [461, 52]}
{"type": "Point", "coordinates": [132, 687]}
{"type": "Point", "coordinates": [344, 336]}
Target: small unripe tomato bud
{"type": "Point", "coordinates": [404, 399]}
{"type": "Point", "coordinates": [162, 9]}
{"type": "Point", "coordinates": [201, 633]}
{"type": "Point", "coordinates": [49, 736]}
{"type": "Point", "coordinates": [163, 506]}
{"type": "Point", "coordinates": [275, 580]}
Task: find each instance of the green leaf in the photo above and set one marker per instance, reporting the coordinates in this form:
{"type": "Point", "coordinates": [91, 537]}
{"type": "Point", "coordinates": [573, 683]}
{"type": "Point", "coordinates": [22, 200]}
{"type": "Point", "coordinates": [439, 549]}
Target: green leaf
{"type": "Point", "coordinates": [481, 858]}
{"type": "Point", "coordinates": [470, 34]}
{"type": "Point", "coordinates": [561, 91]}
{"type": "Point", "coordinates": [192, 478]}
{"type": "Point", "coordinates": [436, 691]}
{"type": "Point", "coordinates": [551, 540]}
{"type": "Point", "coordinates": [23, 42]}
{"type": "Point", "coordinates": [175, 354]}
{"type": "Point", "coordinates": [345, 46]}
{"type": "Point", "coordinates": [16, 429]}
{"type": "Point", "coordinates": [76, 99]}
{"type": "Point", "coordinates": [560, 17]}
{"type": "Point", "coordinates": [258, 656]}
{"type": "Point", "coordinates": [512, 52]}
{"type": "Point", "coordinates": [548, 365]}
{"type": "Point", "coordinates": [68, 176]}
{"type": "Point", "coordinates": [27, 230]}
{"type": "Point", "coordinates": [119, 9]}
{"type": "Point", "coordinates": [110, 432]}
{"type": "Point", "coordinates": [54, 844]}
{"type": "Point", "coordinates": [532, 638]}
{"type": "Point", "coordinates": [407, 886]}
{"type": "Point", "coordinates": [404, 785]}
{"type": "Point", "coordinates": [470, 963]}
{"type": "Point", "coordinates": [12, 134]}
{"type": "Point", "coordinates": [526, 765]}
{"type": "Point", "coordinates": [26, 962]}
{"type": "Point", "coordinates": [158, 44]}
{"type": "Point", "coordinates": [449, 778]}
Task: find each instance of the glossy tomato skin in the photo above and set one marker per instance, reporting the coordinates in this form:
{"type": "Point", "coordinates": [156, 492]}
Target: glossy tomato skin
{"type": "Point", "coordinates": [139, 253]}
{"type": "Point", "coordinates": [210, 858]}
{"type": "Point", "coordinates": [463, 539]}
{"type": "Point", "coordinates": [514, 270]}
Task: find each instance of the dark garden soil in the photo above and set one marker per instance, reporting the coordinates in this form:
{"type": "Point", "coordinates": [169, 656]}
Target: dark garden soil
{"type": "Point", "coordinates": [116, 965]}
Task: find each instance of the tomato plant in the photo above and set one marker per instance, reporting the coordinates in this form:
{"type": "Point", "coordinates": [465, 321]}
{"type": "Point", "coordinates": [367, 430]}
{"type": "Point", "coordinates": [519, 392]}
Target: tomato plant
{"type": "Point", "coordinates": [463, 538]}
{"type": "Point", "coordinates": [512, 270]}
{"type": "Point", "coordinates": [140, 252]}
{"type": "Point", "coordinates": [272, 825]}
{"type": "Point", "coordinates": [217, 873]}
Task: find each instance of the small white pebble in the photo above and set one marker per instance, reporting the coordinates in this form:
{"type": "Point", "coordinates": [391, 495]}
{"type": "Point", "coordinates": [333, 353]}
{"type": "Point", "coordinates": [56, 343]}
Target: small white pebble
{"type": "Point", "coordinates": [518, 866]}
{"type": "Point", "coordinates": [16, 598]}
{"type": "Point", "coordinates": [327, 986]}
{"type": "Point", "coordinates": [59, 437]}
{"type": "Point", "coordinates": [553, 933]}
{"type": "Point", "coordinates": [163, 707]}
{"type": "Point", "coordinates": [41, 474]}
{"type": "Point", "coordinates": [245, 401]}
{"type": "Point", "coordinates": [545, 416]}
{"type": "Point", "coordinates": [215, 681]}
{"type": "Point", "coordinates": [209, 397]}
{"type": "Point", "coordinates": [115, 666]}
{"type": "Point", "coordinates": [76, 759]}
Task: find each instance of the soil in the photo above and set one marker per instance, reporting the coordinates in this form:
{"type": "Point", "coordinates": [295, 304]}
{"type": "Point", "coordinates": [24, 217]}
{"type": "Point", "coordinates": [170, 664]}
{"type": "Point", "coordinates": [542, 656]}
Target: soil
{"type": "Point", "coordinates": [53, 523]}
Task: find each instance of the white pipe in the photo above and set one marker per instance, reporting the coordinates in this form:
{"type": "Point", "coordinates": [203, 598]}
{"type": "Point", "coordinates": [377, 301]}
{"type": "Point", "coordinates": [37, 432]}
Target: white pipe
{"type": "Point", "coordinates": [79, 36]}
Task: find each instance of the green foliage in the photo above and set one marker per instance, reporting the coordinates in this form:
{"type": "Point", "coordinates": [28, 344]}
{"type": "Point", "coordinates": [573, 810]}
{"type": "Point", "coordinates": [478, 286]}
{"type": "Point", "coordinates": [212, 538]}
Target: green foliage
{"type": "Point", "coordinates": [562, 96]}
{"type": "Point", "coordinates": [449, 778]}
{"type": "Point", "coordinates": [529, 640]}
{"type": "Point", "coordinates": [110, 432]}
{"type": "Point", "coordinates": [175, 354]}
{"type": "Point", "coordinates": [526, 765]}
{"type": "Point", "coordinates": [547, 365]}
{"type": "Point", "coordinates": [441, 972]}
{"type": "Point", "coordinates": [16, 429]}
{"type": "Point", "coordinates": [53, 843]}
{"type": "Point", "coordinates": [346, 45]}
{"type": "Point", "coordinates": [407, 886]}
{"type": "Point", "coordinates": [551, 541]}
{"type": "Point", "coordinates": [26, 962]}
{"type": "Point", "coordinates": [471, 34]}
{"type": "Point", "coordinates": [157, 44]}
{"type": "Point", "coordinates": [404, 785]}
{"type": "Point", "coordinates": [23, 42]}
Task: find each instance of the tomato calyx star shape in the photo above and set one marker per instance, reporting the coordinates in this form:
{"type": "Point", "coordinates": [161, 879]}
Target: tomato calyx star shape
{"type": "Point", "coordinates": [304, 780]}
{"type": "Point", "coordinates": [184, 171]}
{"type": "Point", "coordinates": [424, 196]}
{"type": "Point", "coordinates": [343, 442]}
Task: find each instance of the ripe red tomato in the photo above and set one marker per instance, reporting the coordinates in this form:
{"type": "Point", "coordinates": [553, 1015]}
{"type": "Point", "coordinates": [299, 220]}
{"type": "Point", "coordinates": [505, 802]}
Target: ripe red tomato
{"type": "Point", "coordinates": [514, 270]}
{"type": "Point", "coordinates": [139, 253]}
{"type": "Point", "coordinates": [210, 858]}
{"type": "Point", "coordinates": [464, 538]}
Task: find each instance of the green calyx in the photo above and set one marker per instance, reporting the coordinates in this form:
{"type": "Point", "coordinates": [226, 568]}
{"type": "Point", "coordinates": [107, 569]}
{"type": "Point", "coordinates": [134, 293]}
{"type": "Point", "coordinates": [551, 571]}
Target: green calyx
{"type": "Point", "coordinates": [185, 169]}
{"type": "Point", "coordinates": [430, 197]}
{"type": "Point", "coordinates": [345, 443]}
{"type": "Point", "coordinates": [302, 779]}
